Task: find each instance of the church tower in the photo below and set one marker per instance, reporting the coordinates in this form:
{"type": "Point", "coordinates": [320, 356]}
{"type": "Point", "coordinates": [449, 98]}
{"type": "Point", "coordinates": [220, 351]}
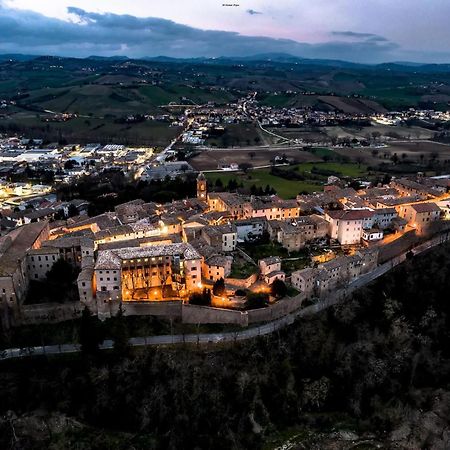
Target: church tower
{"type": "Point", "coordinates": [201, 187]}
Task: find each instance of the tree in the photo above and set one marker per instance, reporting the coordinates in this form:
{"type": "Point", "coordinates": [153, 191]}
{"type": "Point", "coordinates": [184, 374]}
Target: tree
{"type": "Point", "coordinates": [201, 298]}
{"type": "Point", "coordinates": [90, 333]}
{"type": "Point", "coordinates": [70, 164]}
{"type": "Point", "coordinates": [245, 167]}
{"type": "Point", "coordinates": [72, 211]}
{"type": "Point", "coordinates": [257, 300]}
{"type": "Point", "coordinates": [120, 333]}
{"type": "Point", "coordinates": [219, 287]}
{"type": "Point", "coordinates": [278, 288]}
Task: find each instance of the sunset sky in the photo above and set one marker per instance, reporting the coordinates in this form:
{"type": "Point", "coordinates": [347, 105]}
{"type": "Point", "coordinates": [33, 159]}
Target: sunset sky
{"type": "Point", "coordinates": [357, 30]}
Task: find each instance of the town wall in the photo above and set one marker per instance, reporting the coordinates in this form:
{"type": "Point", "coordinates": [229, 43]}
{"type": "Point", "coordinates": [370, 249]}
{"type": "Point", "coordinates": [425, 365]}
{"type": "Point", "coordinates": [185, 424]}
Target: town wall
{"type": "Point", "coordinates": [277, 310]}
{"type": "Point", "coordinates": [49, 313]}
{"type": "Point", "coordinates": [204, 314]}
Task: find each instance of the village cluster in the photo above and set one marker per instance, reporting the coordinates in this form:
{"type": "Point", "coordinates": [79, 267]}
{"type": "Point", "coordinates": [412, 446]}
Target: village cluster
{"type": "Point", "coordinates": [147, 252]}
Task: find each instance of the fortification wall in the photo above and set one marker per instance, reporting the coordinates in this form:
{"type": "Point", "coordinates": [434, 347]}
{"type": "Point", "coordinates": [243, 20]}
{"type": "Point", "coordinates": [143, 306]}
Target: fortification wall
{"type": "Point", "coordinates": [205, 314]}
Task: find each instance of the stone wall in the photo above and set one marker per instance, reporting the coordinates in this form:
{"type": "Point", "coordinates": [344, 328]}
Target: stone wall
{"type": "Point", "coordinates": [205, 314]}
{"type": "Point", "coordinates": [277, 310]}
{"type": "Point", "coordinates": [49, 313]}
{"type": "Point", "coordinates": [242, 283]}
{"type": "Point", "coordinates": [397, 247]}
{"type": "Point", "coordinates": [161, 309]}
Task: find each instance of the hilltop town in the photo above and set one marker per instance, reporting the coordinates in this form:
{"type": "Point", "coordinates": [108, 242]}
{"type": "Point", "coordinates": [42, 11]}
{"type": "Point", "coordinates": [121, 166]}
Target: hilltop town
{"type": "Point", "coordinates": [215, 254]}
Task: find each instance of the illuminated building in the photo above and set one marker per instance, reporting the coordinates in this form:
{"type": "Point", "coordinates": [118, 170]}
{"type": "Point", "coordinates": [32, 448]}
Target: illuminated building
{"type": "Point", "coordinates": [148, 273]}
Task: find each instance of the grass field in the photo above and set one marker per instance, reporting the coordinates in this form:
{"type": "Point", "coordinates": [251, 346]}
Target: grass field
{"type": "Point", "coordinates": [346, 170]}
{"type": "Point", "coordinates": [291, 188]}
{"type": "Point", "coordinates": [262, 177]}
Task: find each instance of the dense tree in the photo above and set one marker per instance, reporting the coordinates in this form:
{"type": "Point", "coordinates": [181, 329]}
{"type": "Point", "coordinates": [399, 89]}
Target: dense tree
{"type": "Point", "coordinates": [378, 363]}
{"type": "Point", "coordinates": [90, 333]}
{"type": "Point", "coordinates": [256, 300]}
{"type": "Point", "coordinates": [278, 288]}
{"type": "Point", "coordinates": [120, 333]}
{"type": "Point", "coordinates": [201, 298]}
{"type": "Point", "coordinates": [219, 287]}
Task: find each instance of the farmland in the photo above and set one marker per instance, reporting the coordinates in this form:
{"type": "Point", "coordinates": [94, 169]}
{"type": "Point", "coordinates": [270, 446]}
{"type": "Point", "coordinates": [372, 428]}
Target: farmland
{"type": "Point", "coordinates": [257, 156]}
{"type": "Point", "coordinates": [262, 178]}
{"type": "Point", "coordinates": [312, 174]}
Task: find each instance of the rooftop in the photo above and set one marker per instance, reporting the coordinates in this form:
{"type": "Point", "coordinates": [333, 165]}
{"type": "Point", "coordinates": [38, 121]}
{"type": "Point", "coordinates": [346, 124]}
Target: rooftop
{"type": "Point", "coordinates": [112, 259]}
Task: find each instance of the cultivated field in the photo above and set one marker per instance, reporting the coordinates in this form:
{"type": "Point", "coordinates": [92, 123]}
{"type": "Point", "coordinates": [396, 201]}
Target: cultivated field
{"type": "Point", "coordinates": [209, 159]}
{"type": "Point", "coordinates": [416, 149]}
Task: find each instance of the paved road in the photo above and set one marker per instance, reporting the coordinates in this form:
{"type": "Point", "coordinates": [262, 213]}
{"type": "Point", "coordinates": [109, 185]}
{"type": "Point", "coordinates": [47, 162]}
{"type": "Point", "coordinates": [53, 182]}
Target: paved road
{"type": "Point", "coordinates": [249, 333]}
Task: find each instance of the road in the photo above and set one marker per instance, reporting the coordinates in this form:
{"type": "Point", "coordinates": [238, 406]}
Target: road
{"type": "Point", "coordinates": [249, 333]}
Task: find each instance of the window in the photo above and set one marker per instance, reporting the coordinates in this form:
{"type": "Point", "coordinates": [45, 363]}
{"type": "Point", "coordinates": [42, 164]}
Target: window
{"type": "Point", "coordinates": [83, 284]}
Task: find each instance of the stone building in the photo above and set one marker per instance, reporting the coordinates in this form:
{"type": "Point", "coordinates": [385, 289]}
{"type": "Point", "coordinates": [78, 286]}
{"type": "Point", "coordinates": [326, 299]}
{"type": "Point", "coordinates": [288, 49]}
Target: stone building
{"type": "Point", "coordinates": [14, 273]}
{"type": "Point", "coordinates": [143, 273]}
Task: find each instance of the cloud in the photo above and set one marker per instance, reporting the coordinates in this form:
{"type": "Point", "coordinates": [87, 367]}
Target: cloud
{"type": "Point", "coordinates": [252, 12]}
{"type": "Point", "coordinates": [369, 37]}
{"type": "Point", "coordinates": [110, 34]}
{"type": "Point", "coordinates": [353, 34]}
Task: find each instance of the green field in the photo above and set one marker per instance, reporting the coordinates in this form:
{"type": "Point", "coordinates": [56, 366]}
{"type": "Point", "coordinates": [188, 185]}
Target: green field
{"type": "Point", "coordinates": [262, 177]}
{"type": "Point", "coordinates": [346, 170]}
{"type": "Point", "coordinates": [287, 188]}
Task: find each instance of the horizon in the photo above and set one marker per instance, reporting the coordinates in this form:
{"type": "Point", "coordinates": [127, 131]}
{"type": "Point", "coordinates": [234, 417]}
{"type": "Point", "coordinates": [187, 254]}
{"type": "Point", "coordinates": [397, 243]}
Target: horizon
{"type": "Point", "coordinates": [249, 58]}
{"type": "Point", "coordinates": [336, 30]}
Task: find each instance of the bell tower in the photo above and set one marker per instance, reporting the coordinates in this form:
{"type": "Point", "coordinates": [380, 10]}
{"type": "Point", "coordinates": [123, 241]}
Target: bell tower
{"type": "Point", "coordinates": [201, 187]}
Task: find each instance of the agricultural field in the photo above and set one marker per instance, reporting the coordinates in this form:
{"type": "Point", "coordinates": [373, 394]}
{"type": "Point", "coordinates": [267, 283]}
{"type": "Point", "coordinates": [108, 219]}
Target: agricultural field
{"type": "Point", "coordinates": [87, 129]}
{"type": "Point", "coordinates": [238, 135]}
{"type": "Point", "coordinates": [414, 150]}
{"type": "Point", "coordinates": [262, 178]}
{"type": "Point", "coordinates": [257, 156]}
{"type": "Point", "coordinates": [313, 174]}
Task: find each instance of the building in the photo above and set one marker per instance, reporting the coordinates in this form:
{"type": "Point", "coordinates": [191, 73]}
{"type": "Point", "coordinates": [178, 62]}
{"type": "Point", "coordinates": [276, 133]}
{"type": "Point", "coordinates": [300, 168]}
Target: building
{"type": "Point", "coordinates": [335, 273]}
{"type": "Point", "coordinates": [147, 273]}
{"type": "Point", "coordinates": [71, 249]}
{"type": "Point", "coordinates": [373, 234]}
{"type": "Point", "coordinates": [14, 277]}
{"type": "Point", "coordinates": [347, 225]}
{"type": "Point", "coordinates": [420, 215]}
{"type": "Point", "coordinates": [249, 230]}
{"type": "Point", "coordinates": [383, 217]}
{"type": "Point", "coordinates": [216, 267]}
{"type": "Point", "coordinates": [222, 237]}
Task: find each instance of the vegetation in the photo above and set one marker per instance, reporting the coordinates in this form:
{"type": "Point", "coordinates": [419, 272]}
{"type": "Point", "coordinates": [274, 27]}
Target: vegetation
{"type": "Point", "coordinates": [278, 289]}
{"type": "Point", "coordinates": [219, 287]}
{"type": "Point", "coordinates": [257, 300]}
{"type": "Point", "coordinates": [111, 188]}
{"type": "Point", "coordinates": [378, 364]}
{"type": "Point", "coordinates": [201, 298]}
{"type": "Point", "coordinates": [59, 285]}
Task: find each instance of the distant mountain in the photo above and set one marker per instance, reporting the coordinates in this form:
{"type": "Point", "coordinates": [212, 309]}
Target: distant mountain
{"type": "Point", "coordinates": [270, 58]}
{"type": "Point", "coordinates": [17, 57]}
{"type": "Point", "coordinates": [108, 58]}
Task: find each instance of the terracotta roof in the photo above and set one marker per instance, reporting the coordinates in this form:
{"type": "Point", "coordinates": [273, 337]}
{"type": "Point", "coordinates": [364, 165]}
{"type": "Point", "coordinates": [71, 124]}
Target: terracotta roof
{"type": "Point", "coordinates": [426, 207]}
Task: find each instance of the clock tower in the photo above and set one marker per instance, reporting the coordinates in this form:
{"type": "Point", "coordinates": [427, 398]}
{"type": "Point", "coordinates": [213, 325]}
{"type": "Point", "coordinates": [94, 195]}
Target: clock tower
{"type": "Point", "coordinates": [201, 187]}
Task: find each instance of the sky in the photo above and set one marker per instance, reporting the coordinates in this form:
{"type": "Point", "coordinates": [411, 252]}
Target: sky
{"type": "Point", "coordinates": [367, 31]}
